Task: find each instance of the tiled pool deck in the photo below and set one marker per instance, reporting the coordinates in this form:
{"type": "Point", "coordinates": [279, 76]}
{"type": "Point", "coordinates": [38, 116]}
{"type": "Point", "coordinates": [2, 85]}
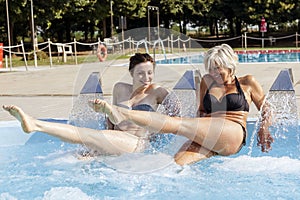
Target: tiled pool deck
{"type": "Point", "coordinates": [46, 92]}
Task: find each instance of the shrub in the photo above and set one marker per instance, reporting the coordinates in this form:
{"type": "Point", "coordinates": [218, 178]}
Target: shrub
{"type": "Point", "coordinates": [41, 55]}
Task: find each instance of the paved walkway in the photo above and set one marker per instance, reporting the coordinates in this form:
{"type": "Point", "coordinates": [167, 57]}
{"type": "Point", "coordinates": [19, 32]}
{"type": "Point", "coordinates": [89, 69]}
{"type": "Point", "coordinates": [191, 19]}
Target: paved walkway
{"type": "Point", "coordinates": [46, 92]}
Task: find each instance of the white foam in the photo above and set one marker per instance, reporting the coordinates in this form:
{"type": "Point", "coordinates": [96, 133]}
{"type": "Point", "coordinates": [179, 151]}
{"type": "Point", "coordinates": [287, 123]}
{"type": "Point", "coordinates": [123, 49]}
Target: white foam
{"type": "Point", "coordinates": [140, 163]}
{"type": "Point", "coordinates": [265, 164]}
{"type": "Point", "coordinates": [66, 193]}
{"type": "Point", "coordinates": [7, 196]}
{"type": "Point", "coordinates": [63, 157]}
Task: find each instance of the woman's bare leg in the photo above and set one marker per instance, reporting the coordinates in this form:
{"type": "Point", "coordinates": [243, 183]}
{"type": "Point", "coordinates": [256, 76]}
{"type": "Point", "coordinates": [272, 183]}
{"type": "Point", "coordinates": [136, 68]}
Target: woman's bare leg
{"type": "Point", "coordinates": [192, 152]}
{"type": "Point", "coordinates": [150, 120]}
{"type": "Point", "coordinates": [108, 141]}
{"type": "Point", "coordinates": [215, 134]}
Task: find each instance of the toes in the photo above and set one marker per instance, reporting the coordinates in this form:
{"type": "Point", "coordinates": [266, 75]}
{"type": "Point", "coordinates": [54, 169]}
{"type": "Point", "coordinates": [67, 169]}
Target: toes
{"type": "Point", "coordinates": [97, 105]}
{"type": "Point", "coordinates": [97, 101]}
{"type": "Point", "coordinates": [7, 107]}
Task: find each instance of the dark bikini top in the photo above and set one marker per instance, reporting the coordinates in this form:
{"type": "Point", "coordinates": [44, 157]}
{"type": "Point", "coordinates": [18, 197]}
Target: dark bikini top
{"type": "Point", "coordinates": [142, 107]}
{"type": "Point", "coordinates": [230, 102]}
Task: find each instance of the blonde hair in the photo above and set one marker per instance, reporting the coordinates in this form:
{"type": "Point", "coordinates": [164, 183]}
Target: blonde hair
{"type": "Point", "coordinates": [221, 56]}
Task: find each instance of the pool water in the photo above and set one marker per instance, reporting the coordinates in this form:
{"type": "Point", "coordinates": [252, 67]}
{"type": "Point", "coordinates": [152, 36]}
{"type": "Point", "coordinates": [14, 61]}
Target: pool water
{"type": "Point", "coordinates": [243, 58]}
{"type": "Point", "coordinates": [269, 57]}
{"type": "Point", "coordinates": [47, 168]}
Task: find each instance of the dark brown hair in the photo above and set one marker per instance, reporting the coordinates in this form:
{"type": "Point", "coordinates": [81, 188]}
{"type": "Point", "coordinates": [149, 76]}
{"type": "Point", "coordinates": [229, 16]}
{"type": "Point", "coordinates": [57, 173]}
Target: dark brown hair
{"type": "Point", "coordinates": [140, 58]}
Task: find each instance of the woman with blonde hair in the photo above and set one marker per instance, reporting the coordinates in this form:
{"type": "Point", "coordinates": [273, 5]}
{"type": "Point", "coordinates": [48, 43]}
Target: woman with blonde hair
{"type": "Point", "coordinates": [220, 128]}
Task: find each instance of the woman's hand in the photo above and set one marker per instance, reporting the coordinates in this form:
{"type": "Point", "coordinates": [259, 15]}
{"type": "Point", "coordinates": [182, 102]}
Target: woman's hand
{"type": "Point", "coordinates": [99, 105]}
{"type": "Point", "coordinates": [264, 139]}
{"type": "Point", "coordinates": [113, 113]}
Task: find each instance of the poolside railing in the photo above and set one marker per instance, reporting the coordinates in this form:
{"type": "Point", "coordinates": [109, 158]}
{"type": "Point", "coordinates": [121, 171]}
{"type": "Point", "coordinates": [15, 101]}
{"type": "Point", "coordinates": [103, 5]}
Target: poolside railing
{"type": "Point", "coordinates": [170, 45]}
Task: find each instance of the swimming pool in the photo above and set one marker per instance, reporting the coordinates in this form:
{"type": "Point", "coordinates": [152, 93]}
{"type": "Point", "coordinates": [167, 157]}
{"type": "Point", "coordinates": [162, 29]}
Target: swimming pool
{"type": "Point", "coordinates": [43, 167]}
{"type": "Point", "coordinates": [244, 57]}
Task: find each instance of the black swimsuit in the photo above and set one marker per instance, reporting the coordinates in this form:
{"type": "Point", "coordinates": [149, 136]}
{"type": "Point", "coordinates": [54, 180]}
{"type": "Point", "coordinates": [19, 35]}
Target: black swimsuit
{"type": "Point", "coordinates": [230, 102]}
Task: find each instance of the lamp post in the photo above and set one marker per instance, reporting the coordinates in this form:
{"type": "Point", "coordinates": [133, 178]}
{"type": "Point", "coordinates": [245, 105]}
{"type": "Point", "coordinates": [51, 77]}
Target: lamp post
{"type": "Point", "coordinates": [111, 18]}
{"type": "Point", "coordinates": [8, 34]}
{"type": "Point", "coordinates": [157, 9]}
{"type": "Point", "coordinates": [148, 24]}
{"type": "Point", "coordinates": [33, 35]}
{"type": "Point", "coordinates": [157, 22]}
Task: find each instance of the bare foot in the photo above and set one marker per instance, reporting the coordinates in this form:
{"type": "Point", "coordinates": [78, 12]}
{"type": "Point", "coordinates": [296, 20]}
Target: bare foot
{"type": "Point", "coordinates": [100, 106]}
{"type": "Point", "coordinates": [27, 122]}
{"type": "Point", "coordinates": [113, 112]}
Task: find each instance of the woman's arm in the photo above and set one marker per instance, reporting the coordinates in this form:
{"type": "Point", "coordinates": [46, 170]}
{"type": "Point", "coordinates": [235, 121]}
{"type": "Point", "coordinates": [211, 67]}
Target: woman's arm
{"type": "Point", "coordinates": [258, 97]}
{"type": "Point", "coordinates": [161, 94]}
{"type": "Point", "coordinates": [115, 93]}
{"type": "Point", "coordinates": [264, 138]}
{"type": "Point", "coordinates": [203, 88]}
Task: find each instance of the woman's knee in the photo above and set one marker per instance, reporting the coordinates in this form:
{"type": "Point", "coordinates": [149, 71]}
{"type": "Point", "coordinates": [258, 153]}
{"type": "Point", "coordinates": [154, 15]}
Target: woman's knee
{"type": "Point", "coordinates": [192, 155]}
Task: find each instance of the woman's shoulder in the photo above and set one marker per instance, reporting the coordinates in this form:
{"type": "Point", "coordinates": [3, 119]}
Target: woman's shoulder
{"type": "Point", "coordinates": [163, 89]}
{"type": "Point", "coordinates": [206, 77]}
{"type": "Point", "coordinates": [122, 85]}
{"type": "Point", "coordinates": [121, 92]}
{"type": "Point", "coordinates": [122, 88]}
{"type": "Point", "coordinates": [247, 79]}
{"type": "Point", "coordinates": [159, 91]}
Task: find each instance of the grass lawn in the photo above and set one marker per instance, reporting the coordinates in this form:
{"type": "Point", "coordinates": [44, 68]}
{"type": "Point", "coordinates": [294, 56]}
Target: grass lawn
{"type": "Point", "coordinates": [18, 61]}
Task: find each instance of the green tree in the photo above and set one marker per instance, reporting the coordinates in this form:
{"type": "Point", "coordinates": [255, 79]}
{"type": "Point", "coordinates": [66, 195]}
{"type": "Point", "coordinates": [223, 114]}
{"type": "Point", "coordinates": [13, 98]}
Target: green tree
{"type": "Point", "coordinates": [60, 20]}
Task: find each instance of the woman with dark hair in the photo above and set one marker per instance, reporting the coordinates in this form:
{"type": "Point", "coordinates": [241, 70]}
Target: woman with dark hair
{"type": "Point", "coordinates": [124, 137]}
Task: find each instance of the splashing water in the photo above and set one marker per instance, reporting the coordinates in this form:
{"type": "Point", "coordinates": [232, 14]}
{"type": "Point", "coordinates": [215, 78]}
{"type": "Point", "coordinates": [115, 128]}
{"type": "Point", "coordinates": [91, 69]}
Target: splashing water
{"type": "Point", "coordinates": [82, 115]}
{"type": "Point", "coordinates": [284, 129]}
{"type": "Point", "coordinates": [187, 99]}
{"type": "Point", "coordinates": [284, 108]}
{"type": "Point", "coordinates": [173, 106]}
